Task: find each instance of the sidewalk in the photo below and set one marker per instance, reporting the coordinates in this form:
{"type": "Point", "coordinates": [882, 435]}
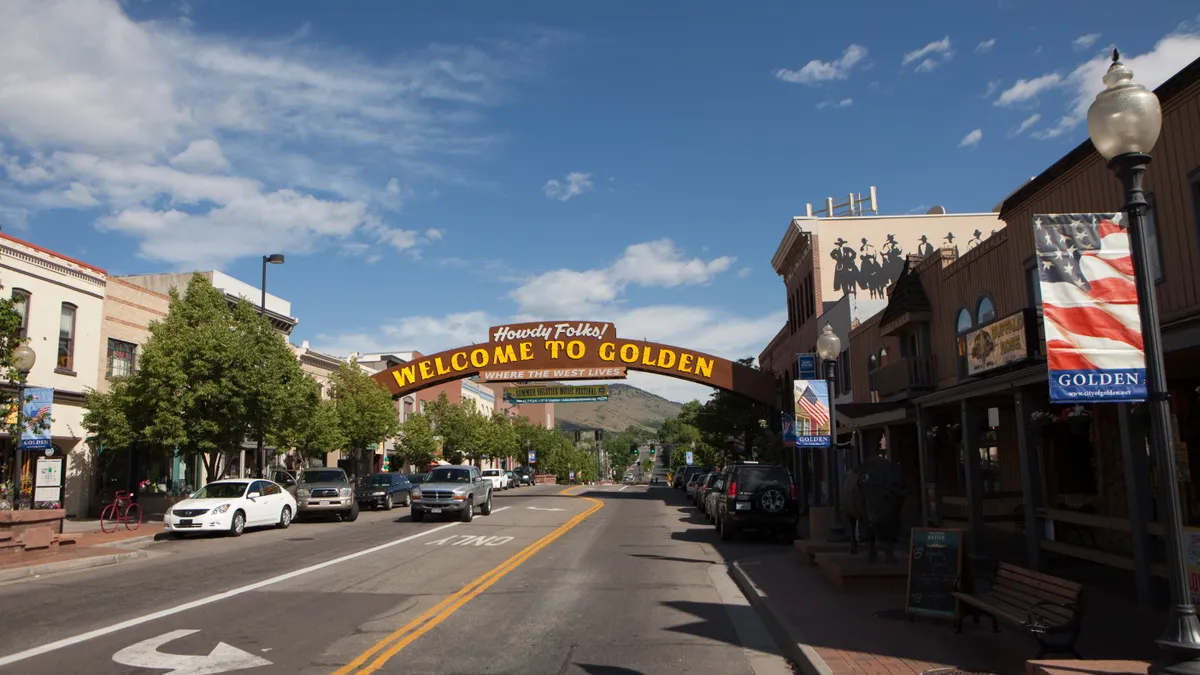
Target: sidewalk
{"type": "Point", "coordinates": [831, 632]}
{"type": "Point", "coordinates": [91, 549]}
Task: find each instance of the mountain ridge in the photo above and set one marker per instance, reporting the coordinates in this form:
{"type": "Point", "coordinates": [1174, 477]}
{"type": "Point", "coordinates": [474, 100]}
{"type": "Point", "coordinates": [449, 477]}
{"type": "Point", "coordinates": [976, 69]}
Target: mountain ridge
{"type": "Point", "coordinates": [627, 406]}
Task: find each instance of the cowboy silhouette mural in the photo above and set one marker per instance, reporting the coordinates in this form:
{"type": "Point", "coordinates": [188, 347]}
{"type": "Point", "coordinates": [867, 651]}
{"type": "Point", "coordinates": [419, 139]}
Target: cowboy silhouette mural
{"type": "Point", "coordinates": [976, 239]}
{"type": "Point", "coordinates": [893, 258]}
{"type": "Point", "coordinates": [924, 249]}
{"type": "Point", "coordinates": [845, 273]}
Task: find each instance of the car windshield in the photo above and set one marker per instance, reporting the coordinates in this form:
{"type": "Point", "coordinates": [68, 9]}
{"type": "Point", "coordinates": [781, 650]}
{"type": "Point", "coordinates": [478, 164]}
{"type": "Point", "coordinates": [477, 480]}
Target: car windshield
{"type": "Point", "coordinates": [491, 472]}
{"type": "Point", "coordinates": [379, 479]}
{"type": "Point", "coordinates": [323, 476]}
{"type": "Point", "coordinates": [418, 478]}
{"type": "Point", "coordinates": [750, 479]}
{"type": "Point", "coordinates": [449, 476]}
{"type": "Point", "coordinates": [221, 491]}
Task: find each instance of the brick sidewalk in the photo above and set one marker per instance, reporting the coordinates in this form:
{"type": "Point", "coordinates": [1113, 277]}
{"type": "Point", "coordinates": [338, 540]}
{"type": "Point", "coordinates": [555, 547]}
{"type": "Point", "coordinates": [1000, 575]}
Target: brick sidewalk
{"type": "Point", "coordinates": [839, 633]}
{"type": "Point", "coordinates": [87, 545]}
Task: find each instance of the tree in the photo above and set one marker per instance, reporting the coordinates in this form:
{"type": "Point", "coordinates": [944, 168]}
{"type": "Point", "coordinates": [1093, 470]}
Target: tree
{"type": "Point", "coordinates": [312, 426]}
{"type": "Point", "coordinates": [728, 416]}
{"type": "Point", "coordinates": [458, 425]}
{"type": "Point", "coordinates": [500, 438]}
{"type": "Point", "coordinates": [365, 412]}
{"type": "Point", "coordinates": [417, 446]}
{"type": "Point", "coordinates": [10, 339]}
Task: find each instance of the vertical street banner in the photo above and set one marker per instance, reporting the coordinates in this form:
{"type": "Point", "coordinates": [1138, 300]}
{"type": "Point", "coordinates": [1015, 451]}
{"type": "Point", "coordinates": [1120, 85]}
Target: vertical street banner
{"type": "Point", "coordinates": [689, 457]}
{"type": "Point", "coordinates": [37, 408]}
{"type": "Point", "coordinates": [788, 422]}
{"type": "Point", "coordinates": [1090, 311]}
{"type": "Point", "coordinates": [533, 456]}
{"type": "Point", "coordinates": [812, 413]}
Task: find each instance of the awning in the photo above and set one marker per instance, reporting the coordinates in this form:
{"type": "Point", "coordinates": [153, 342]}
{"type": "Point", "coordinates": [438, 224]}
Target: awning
{"type": "Point", "coordinates": [1033, 373]}
{"type": "Point", "coordinates": [862, 415]}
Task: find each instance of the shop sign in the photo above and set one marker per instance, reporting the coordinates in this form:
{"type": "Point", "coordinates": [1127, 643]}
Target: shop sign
{"type": "Point", "coordinates": [1094, 348]}
{"type": "Point", "coordinates": [812, 423]}
{"type": "Point", "coordinates": [561, 394]}
{"type": "Point", "coordinates": [997, 344]}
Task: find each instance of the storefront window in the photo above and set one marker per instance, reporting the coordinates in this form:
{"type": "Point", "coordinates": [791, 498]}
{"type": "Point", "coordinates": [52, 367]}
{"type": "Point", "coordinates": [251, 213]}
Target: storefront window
{"type": "Point", "coordinates": [122, 358]}
{"type": "Point", "coordinates": [21, 299]}
{"type": "Point", "coordinates": [986, 312]}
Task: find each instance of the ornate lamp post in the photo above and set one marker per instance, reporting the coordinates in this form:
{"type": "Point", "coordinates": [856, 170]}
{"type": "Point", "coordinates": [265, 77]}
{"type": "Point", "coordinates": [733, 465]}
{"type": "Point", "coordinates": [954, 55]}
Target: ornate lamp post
{"type": "Point", "coordinates": [1124, 122]}
{"type": "Point", "coordinates": [273, 259]}
{"type": "Point", "coordinates": [829, 347]}
{"type": "Point", "coordinates": [24, 359]}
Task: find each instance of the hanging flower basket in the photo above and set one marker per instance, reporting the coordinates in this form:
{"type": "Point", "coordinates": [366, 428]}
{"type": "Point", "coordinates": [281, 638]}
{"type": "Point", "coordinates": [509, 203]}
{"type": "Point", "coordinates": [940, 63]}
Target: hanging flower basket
{"type": "Point", "coordinates": [1043, 420]}
{"type": "Point", "coordinates": [1078, 418]}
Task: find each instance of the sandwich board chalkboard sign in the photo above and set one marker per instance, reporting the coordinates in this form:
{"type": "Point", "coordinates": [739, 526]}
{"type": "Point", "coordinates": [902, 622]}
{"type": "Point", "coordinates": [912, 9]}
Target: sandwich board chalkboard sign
{"type": "Point", "coordinates": [935, 561]}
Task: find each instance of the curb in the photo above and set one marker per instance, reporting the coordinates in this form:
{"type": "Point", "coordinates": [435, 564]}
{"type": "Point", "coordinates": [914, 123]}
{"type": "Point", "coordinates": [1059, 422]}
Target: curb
{"type": "Point", "coordinates": [786, 635]}
{"type": "Point", "coordinates": [69, 565]}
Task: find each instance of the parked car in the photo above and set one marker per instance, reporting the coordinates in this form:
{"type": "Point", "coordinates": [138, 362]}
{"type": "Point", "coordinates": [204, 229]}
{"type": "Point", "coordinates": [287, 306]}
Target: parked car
{"type": "Point", "coordinates": [525, 475]}
{"type": "Point", "coordinates": [384, 490]}
{"type": "Point", "coordinates": [326, 489]}
{"type": "Point", "coordinates": [418, 478]}
{"type": "Point", "coordinates": [756, 497]}
{"type": "Point", "coordinates": [453, 489]}
{"type": "Point", "coordinates": [498, 477]}
{"type": "Point", "coordinates": [230, 506]}
{"type": "Point", "coordinates": [692, 484]}
{"type": "Point", "coordinates": [710, 498]}
{"type": "Point", "coordinates": [513, 480]}
{"type": "Point", "coordinates": [705, 491]}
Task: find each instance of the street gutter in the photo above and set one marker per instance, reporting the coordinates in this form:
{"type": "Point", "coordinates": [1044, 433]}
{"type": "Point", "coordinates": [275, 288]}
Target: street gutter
{"type": "Point", "coordinates": [786, 635]}
{"type": "Point", "coordinates": [89, 562]}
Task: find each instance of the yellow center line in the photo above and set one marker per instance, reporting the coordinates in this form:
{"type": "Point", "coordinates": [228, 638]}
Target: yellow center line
{"type": "Point", "coordinates": [409, 632]}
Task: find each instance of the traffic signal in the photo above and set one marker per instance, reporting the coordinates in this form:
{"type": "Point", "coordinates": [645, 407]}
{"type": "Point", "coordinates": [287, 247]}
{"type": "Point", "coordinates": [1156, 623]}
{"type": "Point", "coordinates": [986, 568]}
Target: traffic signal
{"type": "Point", "coordinates": [651, 449]}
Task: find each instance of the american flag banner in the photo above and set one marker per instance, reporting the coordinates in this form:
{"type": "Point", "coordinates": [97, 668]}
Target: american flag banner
{"type": "Point", "coordinates": [37, 408]}
{"type": "Point", "coordinates": [1090, 308]}
{"type": "Point", "coordinates": [812, 413]}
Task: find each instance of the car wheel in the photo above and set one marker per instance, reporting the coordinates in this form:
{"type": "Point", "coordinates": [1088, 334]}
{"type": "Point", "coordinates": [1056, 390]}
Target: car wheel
{"type": "Point", "coordinates": [285, 518]}
{"type": "Point", "coordinates": [725, 531]}
{"type": "Point", "coordinates": [238, 526]}
{"type": "Point", "coordinates": [387, 504]}
{"type": "Point", "coordinates": [468, 513]}
{"type": "Point", "coordinates": [407, 499]}
{"type": "Point", "coordinates": [351, 515]}
{"type": "Point", "coordinates": [418, 516]}
{"type": "Point", "coordinates": [486, 509]}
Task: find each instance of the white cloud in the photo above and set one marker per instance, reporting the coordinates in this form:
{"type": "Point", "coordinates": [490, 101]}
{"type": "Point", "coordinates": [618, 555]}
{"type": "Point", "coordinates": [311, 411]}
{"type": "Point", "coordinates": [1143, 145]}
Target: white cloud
{"type": "Point", "coordinates": [1026, 124]}
{"type": "Point", "coordinates": [1026, 90]}
{"type": "Point", "coordinates": [163, 129]}
{"type": "Point", "coordinates": [569, 292]}
{"type": "Point", "coordinates": [843, 103]}
{"type": "Point", "coordinates": [930, 56]}
{"type": "Point", "coordinates": [576, 184]}
{"type": "Point", "coordinates": [744, 272]}
{"type": "Point", "coordinates": [985, 46]}
{"type": "Point", "coordinates": [1084, 42]}
{"type": "Point", "coordinates": [992, 87]}
{"type": "Point", "coordinates": [971, 139]}
{"type": "Point", "coordinates": [817, 71]}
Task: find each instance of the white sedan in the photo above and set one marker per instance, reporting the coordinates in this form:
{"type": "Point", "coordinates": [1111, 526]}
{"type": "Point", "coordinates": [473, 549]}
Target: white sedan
{"type": "Point", "coordinates": [498, 477]}
{"type": "Point", "coordinates": [231, 506]}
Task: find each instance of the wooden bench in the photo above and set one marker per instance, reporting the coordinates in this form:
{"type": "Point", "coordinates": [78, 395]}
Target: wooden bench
{"type": "Point", "coordinates": [1046, 607]}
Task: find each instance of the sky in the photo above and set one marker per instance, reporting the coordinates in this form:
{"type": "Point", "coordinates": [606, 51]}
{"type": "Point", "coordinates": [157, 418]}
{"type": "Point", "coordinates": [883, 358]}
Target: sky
{"type": "Point", "coordinates": [433, 169]}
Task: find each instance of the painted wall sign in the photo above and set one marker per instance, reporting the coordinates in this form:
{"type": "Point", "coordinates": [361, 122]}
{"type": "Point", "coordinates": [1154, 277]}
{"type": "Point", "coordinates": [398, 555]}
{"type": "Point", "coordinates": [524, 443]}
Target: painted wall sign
{"type": "Point", "coordinates": [1090, 311]}
{"type": "Point", "coordinates": [997, 344]}
{"type": "Point", "coordinates": [811, 398]}
{"type": "Point", "coordinates": [554, 347]}
{"type": "Point", "coordinates": [559, 394]}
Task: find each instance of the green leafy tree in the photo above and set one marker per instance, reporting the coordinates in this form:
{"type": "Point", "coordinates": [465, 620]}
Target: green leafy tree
{"type": "Point", "coordinates": [500, 438]}
{"type": "Point", "coordinates": [459, 427]}
{"type": "Point", "coordinates": [313, 429]}
{"type": "Point", "coordinates": [365, 411]}
{"type": "Point", "coordinates": [417, 445]}
{"type": "Point", "coordinates": [10, 339]}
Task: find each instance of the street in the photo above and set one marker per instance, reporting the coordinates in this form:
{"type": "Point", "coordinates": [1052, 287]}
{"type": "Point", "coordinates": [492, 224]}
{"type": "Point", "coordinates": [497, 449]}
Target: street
{"type": "Point", "coordinates": [618, 580]}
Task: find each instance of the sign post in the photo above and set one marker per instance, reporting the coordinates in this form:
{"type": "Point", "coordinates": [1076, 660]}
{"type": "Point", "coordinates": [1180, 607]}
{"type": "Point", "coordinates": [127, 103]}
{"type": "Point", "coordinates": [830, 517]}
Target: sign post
{"type": "Point", "coordinates": [808, 366]}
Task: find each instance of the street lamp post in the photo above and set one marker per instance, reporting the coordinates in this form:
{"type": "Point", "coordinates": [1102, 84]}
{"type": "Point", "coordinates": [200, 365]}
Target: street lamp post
{"type": "Point", "coordinates": [23, 359]}
{"type": "Point", "coordinates": [1124, 123]}
{"type": "Point", "coordinates": [273, 259]}
{"type": "Point", "coordinates": [829, 347]}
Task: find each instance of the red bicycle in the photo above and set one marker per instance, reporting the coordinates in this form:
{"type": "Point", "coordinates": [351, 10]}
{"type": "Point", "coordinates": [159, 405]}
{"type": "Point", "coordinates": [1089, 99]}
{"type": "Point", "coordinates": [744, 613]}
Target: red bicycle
{"type": "Point", "coordinates": [122, 510]}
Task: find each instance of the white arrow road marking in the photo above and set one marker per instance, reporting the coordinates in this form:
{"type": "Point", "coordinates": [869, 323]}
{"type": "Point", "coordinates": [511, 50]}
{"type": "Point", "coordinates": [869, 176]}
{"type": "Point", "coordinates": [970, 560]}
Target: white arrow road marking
{"type": "Point", "coordinates": [538, 508]}
{"type": "Point", "coordinates": [223, 658]}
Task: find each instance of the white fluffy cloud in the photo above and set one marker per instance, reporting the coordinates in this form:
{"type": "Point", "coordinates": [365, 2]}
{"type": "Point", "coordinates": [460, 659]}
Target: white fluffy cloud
{"type": "Point", "coordinates": [1084, 42]}
{"type": "Point", "coordinates": [163, 130]}
{"type": "Point", "coordinates": [1170, 54]}
{"type": "Point", "coordinates": [1026, 124]}
{"type": "Point", "coordinates": [817, 71]}
{"type": "Point", "coordinates": [930, 56]}
{"type": "Point", "coordinates": [575, 184]}
{"type": "Point", "coordinates": [985, 46]}
{"type": "Point", "coordinates": [843, 103]}
{"type": "Point", "coordinates": [971, 139]}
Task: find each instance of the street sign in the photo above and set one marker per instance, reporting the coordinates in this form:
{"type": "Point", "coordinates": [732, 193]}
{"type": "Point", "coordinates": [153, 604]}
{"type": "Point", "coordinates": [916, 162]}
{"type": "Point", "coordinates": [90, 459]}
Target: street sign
{"type": "Point", "coordinates": [808, 366]}
{"type": "Point", "coordinates": [572, 475]}
{"type": "Point", "coordinates": [597, 393]}
{"type": "Point", "coordinates": [690, 457]}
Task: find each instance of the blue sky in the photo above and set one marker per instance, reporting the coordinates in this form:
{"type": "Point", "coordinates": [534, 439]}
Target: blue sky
{"type": "Point", "coordinates": [431, 169]}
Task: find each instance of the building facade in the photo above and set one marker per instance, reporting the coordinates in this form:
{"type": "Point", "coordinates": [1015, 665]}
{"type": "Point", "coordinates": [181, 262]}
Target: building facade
{"type": "Point", "coordinates": [61, 301]}
{"type": "Point", "coordinates": [278, 310]}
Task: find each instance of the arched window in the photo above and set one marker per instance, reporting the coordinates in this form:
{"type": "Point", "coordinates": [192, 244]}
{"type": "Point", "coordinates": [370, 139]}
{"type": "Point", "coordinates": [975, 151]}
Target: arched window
{"type": "Point", "coordinates": [964, 321]}
{"type": "Point", "coordinates": [986, 312]}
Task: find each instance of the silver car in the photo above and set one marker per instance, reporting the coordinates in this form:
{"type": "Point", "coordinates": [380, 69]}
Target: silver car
{"type": "Point", "coordinates": [326, 490]}
{"type": "Point", "coordinates": [452, 489]}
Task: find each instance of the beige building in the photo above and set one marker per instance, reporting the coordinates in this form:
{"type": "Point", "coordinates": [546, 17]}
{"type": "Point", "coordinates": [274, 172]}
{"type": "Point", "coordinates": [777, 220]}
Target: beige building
{"type": "Point", "coordinates": [321, 368]}
{"type": "Point", "coordinates": [278, 310]}
{"type": "Point", "coordinates": [62, 303]}
{"type": "Point", "coordinates": [128, 312]}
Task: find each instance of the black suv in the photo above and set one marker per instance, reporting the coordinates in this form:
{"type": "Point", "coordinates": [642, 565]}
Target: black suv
{"type": "Point", "coordinates": [755, 497]}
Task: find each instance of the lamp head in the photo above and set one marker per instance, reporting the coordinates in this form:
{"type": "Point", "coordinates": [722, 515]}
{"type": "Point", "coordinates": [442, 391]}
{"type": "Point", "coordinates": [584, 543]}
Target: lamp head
{"type": "Point", "coordinates": [1125, 118]}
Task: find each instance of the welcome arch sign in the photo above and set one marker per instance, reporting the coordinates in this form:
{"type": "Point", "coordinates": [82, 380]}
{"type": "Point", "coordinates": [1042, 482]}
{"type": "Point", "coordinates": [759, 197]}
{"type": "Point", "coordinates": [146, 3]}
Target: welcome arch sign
{"type": "Point", "coordinates": [574, 350]}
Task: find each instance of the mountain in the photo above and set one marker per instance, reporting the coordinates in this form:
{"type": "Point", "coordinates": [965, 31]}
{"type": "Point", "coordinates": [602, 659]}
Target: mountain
{"type": "Point", "coordinates": [626, 405]}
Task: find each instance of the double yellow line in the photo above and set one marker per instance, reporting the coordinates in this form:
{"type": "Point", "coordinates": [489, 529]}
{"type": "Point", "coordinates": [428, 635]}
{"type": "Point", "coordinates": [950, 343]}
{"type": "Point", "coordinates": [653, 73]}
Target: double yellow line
{"type": "Point", "coordinates": [388, 647]}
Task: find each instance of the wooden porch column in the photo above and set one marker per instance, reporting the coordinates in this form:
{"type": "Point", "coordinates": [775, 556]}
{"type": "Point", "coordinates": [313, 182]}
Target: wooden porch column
{"type": "Point", "coordinates": [887, 439]}
{"type": "Point", "coordinates": [974, 480]}
{"type": "Point", "coordinates": [1141, 510]}
{"type": "Point", "coordinates": [1031, 480]}
{"type": "Point", "coordinates": [925, 462]}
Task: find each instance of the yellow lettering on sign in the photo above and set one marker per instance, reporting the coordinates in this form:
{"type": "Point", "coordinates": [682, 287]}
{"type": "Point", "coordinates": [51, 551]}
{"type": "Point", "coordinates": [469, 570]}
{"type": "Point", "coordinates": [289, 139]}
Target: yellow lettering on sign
{"type": "Point", "coordinates": [454, 361]}
{"type": "Point", "coordinates": [479, 358]}
{"type": "Point", "coordinates": [526, 351]}
{"type": "Point", "coordinates": [648, 357]}
{"type": "Point", "coordinates": [426, 369]}
{"type": "Point", "coordinates": [629, 353]}
{"type": "Point", "coordinates": [704, 366]}
{"type": "Point", "coordinates": [554, 346]}
{"type": "Point", "coordinates": [685, 362]}
{"type": "Point", "coordinates": [575, 349]}
{"type": "Point", "coordinates": [504, 354]}
{"type": "Point", "coordinates": [608, 351]}
{"type": "Point", "coordinates": [405, 376]}
{"type": "Point", "coordinates": [441, 367]}
{"type": "Point", "coordinates": [666, 358]}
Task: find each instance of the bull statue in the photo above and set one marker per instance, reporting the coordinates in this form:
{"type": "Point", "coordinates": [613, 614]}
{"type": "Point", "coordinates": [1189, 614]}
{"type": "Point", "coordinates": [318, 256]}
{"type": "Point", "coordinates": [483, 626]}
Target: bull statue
{"type": "Point", "coordinates": [872, 497]}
